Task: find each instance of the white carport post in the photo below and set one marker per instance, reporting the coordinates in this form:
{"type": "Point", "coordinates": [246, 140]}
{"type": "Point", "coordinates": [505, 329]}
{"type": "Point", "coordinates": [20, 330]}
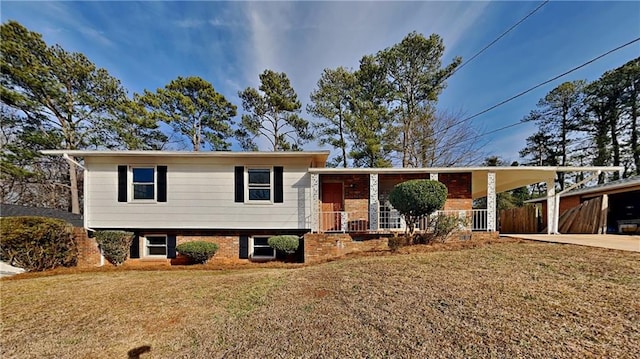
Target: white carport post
{"type": "Point", "coordinates": [374, 206]}
{"type": "Point", "coordinates": [552, 207]}
{"type": "Point", "coordinates": [315, 201]}
{"type": "Point", "coordinates": [491, 202]}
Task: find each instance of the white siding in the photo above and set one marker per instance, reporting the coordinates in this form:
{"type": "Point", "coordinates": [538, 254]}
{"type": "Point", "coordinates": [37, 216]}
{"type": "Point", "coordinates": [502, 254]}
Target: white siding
{"type": "Point", "coordinates": [200, 195]}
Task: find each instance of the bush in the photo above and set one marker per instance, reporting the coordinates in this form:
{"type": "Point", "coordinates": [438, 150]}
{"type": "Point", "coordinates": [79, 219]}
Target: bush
{"type": "Point", "coordinates": [416, 199]}
{"type": "Point", "coordinates": [37, 243]}
{"type": "Point", "coordinates": [198, 251]}
{"type": "Point", "coordinates": [443, 225]}
{"type": "Point", "coordinates": [395, 243]}
{"type": "Point", "coordinates": [287, 244]}
{"type": "Point", "coordinates": [115, 245]}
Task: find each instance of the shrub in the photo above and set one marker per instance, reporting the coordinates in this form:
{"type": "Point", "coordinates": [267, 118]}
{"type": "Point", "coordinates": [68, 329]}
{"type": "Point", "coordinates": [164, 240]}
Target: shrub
{"type": "Point", "coordinates": [287, 244]}
{"type": "Point", "coordinates": [115, 245]}
{"type": "Point", "coordinates": [443, 225]}
{"type": "Point", "coordinates": [395, 243]}
{"type": "Point", "coordinates": [37, 243]}
{"type": "Point", "coordinates": [198, 251]}
{"type": "Point", "coordinates": [416, 199]}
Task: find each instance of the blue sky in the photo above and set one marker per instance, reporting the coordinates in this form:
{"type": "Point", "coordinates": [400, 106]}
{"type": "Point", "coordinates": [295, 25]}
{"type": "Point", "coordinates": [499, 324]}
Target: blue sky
{"type": "Point", "coordinates": [147, 44]}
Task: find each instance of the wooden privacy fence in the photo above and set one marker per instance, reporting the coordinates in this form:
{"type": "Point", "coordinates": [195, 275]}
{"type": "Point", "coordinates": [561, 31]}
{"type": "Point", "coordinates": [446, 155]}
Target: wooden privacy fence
{"type": "Point", "coordinates": [519, 220]}
{"type": "Point", "coordinates": [587, 218]}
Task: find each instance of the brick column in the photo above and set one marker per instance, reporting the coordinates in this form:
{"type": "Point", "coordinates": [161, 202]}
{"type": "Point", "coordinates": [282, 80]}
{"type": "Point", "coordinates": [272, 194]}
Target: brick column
{"type": "Point", "coordinates": [374, 206]}
{"type": "Point", "coordinates": [491, 202]}
{"type": "Point", "coordinates": [315, 200]}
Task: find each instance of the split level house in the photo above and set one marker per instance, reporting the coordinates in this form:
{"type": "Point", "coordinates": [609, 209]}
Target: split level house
{"type": "Point", "coordinates": [239, 199]}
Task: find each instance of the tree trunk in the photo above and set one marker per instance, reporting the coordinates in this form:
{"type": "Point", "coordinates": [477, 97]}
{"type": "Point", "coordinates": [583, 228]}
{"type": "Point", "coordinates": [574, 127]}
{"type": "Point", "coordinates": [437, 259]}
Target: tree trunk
{"type": "Point", "coordinates": [73, 179]}
{"type": "Point", "coordinates": [635, 147]}
{"type": "Point", "coordinates": [343, 143]}
{"type": "Point", "coordinates": [615, 145]}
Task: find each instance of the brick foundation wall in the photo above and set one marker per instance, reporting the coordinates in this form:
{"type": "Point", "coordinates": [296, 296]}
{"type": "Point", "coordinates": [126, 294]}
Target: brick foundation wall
{"type": "Point", "coordinates": [228, 246]}
{"type": "Point", "coordinates": [321, 246]}
{"type": "Point", "coordinates": [88, 251]}
{"type": "Point", "coordinates": [485, 235]}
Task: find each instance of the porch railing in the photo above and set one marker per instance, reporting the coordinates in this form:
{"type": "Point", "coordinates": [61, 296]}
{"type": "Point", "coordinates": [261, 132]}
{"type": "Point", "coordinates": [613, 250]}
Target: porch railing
{"type": "Point", "coordinates": [391, 220]}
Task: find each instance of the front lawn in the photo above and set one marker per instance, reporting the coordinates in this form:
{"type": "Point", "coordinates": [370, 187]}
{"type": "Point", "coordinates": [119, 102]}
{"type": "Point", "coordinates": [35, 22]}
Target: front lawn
{"type": "Point", "coordinates": [499, 300]}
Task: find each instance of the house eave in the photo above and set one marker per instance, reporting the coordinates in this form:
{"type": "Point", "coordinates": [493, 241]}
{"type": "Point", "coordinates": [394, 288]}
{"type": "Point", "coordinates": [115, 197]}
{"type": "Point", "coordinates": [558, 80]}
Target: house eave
{"type": "Point", "coordinates": [319, 157]}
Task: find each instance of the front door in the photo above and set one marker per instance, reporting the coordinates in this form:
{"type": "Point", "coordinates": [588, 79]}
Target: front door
{"type": "Point", "coordinates": [332, 205]}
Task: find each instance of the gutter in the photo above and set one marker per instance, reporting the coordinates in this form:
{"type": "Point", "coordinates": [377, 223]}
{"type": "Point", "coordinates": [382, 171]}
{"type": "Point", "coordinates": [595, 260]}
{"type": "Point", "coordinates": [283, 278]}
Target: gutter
{"type": "Point", "coordinates": [69, 159]}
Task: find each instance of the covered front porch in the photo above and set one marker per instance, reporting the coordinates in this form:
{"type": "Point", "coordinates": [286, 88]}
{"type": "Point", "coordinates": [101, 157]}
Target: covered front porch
{"type": "Point", "coordinates": [355, 200]}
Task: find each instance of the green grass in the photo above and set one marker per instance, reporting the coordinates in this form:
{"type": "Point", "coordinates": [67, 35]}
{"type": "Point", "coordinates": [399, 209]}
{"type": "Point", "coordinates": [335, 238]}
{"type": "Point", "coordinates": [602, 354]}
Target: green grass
{"type": "Point", "coordinates": [499, 300]}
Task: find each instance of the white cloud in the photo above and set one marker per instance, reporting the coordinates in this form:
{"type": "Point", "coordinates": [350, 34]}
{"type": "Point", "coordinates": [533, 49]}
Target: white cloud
{"type": "Point", "coordinates": [302, 39]}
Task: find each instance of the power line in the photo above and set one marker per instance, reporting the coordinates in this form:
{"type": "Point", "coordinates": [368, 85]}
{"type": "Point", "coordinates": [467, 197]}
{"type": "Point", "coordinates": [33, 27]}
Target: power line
{"type": "Point", "coordinates": [499, 37]}
{"type": "Point", "coordinates": [529, 90]}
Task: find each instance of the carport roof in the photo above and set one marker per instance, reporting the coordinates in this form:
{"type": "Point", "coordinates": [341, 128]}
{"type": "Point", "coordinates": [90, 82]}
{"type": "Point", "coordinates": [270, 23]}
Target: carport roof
{"type": "Point", "coordinates": [507, 178]}
{"type": "Point", "coordinates": [618, 186]}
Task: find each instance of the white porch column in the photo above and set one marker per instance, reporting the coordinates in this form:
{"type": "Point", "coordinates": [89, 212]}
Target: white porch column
{"type": "Point", "coordinates": [552, 223]}
{"type": "Point", "coordinates": [433, 176]}
{"type": "Point", "coordinates": [315, 200]}
{"type": "Point", "coordinates": [491, 202]}
{"type": "Point", "coordinates": [374, 206]}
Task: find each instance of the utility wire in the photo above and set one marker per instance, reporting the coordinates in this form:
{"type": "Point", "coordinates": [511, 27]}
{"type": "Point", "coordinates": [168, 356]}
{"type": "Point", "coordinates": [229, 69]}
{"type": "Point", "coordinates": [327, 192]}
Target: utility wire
{"type": "Point", "coordinates": [444, 130]}
{"type": "Point", "coordinates": [499, 37]}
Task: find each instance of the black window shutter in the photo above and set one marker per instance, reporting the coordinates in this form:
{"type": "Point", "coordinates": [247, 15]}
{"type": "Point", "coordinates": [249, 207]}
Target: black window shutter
{"type": "Point", "coordinates": [277, 185]}
{"type": "Point", "coordinates": [171, 246]}
{"type": "Point", "coordinates": [239, 184]}
{"type": "Point", "coordinates": [134, 250]}
{"type": "Point", "coordinates": [244, 247]}
{"type": "Point", "coordinates": [122, 183]}
{"type": "Point", "coordinates": [162, 183]}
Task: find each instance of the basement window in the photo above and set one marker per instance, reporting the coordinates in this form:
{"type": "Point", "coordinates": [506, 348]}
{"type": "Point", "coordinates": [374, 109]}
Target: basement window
{"type": "Point", "coordinates": [259, 248]}
{"type": "Point", "coordinates": [156, 246]}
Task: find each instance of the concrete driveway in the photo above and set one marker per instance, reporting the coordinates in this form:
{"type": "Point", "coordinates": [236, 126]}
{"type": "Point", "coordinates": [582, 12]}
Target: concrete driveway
{"type": "Point", "coordinates": [7, 270]}
{"type": "Point", "coordinates": [610, 241]}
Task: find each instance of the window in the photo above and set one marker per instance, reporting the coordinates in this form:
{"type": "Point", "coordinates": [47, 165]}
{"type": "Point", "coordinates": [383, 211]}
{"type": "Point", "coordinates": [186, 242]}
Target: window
{"type": "Point", "coordinates": [156, 246]}
{"type": "Point", "coordinates": [143, 183]}
{"type": "Point", "coordinates": [260, 249]}
{"type": "Point", "coordinates": [259, 184]}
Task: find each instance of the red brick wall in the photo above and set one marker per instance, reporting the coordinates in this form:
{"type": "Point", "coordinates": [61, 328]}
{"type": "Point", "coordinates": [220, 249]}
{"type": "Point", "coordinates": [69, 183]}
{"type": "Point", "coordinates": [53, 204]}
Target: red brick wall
{"type": "Point", "coordinates": [458, 204]}
{"type": "Point", "coordinates": [88, 251]}
{"type": "Point", "coordinates": [387, 181]}
{"type": "Point", "coordinates": [320, 246]}
{"type": "Point", "coordinates": [458, 185]}
{"type": "Point", "coordinates": [356, 186]}
{"type": "Point", "coordinates": [568, 202]}
{"type": "Point", "coordinates": [485, 235]}
{"type": "Point", "coordinates": [228, 247]}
